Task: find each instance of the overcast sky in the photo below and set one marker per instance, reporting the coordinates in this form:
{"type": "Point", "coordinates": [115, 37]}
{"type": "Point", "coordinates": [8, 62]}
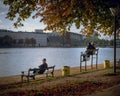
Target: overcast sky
{"type": "Point", "coordinates": [29, 24]}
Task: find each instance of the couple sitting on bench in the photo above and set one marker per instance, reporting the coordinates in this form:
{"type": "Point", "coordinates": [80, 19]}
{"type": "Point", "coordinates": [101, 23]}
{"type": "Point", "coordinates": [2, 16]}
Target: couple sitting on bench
{"type": "Point", "coordinates": [89, 51]}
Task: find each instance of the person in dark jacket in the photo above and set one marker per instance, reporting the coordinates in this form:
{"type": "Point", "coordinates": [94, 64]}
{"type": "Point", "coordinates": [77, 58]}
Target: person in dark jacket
{"type": "Point", "coordinates": [42, 67]}
{"type": "Point", "coordinates": [90, 49]}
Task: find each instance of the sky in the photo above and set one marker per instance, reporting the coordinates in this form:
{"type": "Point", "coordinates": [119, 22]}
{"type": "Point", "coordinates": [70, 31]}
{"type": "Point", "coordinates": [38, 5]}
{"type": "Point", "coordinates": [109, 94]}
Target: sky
{"type": "Point", "coordinates": [29, 25]}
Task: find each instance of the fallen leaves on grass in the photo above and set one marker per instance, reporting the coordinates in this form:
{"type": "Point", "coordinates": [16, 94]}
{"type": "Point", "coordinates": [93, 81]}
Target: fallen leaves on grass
{"type": "Point", "coordinates": [67, 89]}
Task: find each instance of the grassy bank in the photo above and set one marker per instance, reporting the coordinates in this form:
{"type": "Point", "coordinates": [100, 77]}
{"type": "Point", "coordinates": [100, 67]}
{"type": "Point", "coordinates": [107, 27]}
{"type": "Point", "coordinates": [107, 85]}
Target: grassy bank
{"type": "Point", "coordinates": [76, 84]}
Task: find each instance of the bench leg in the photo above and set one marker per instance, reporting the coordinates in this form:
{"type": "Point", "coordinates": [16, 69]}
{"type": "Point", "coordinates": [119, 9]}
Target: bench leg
{"type": "Point", "coordinates": [22, 78]}
{"type": "Point", "coordinates": [27, 78]}
{"type": "Point", "coordinates": [22, 75]}
{"type": "Point", "coordinates": [52, 74]}
{"type": "Point", "coordinates": [46, 75]}
{"type": "Point", "coordinates": [34, 77]}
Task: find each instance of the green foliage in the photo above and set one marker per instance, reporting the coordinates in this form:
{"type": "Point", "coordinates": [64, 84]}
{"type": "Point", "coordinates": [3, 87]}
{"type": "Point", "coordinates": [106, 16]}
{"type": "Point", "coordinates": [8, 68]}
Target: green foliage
{"type": "Point", "coordinates": [98, 42]}
{"type": "Point", "coordinates": [20, 9]}
{"type": "Point", "coordinates": [6, 41]}
{"type": "Point", "coordinates": [59, 15]}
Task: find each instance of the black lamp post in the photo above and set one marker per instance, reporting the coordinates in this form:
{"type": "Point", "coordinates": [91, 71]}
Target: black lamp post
{"type": "Point", "coordinates": [114, 11]}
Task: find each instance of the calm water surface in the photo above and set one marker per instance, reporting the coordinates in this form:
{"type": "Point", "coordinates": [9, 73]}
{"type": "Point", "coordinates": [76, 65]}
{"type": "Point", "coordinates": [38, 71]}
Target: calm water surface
{"type": "Point", "coordinates": [15, 60]}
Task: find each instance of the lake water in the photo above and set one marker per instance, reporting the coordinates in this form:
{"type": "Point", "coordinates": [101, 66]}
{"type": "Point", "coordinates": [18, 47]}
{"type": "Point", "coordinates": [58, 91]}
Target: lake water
{"type": "Point", "coordinates": [15, 60]}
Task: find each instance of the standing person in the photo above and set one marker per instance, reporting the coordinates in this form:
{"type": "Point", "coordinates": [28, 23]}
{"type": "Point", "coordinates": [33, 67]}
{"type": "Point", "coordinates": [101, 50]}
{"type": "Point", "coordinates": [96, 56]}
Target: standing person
{"type": "Point", "coordinates": [42, 67]}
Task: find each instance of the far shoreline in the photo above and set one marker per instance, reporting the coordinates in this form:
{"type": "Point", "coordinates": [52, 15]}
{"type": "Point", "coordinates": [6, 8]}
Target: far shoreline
{"type": "Point", "coordinates": [54, 47]}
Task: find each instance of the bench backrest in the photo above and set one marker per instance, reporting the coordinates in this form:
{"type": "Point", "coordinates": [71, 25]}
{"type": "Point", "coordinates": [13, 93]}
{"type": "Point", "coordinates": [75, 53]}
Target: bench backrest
{"type": "Point", "coordinates": [51, 68]}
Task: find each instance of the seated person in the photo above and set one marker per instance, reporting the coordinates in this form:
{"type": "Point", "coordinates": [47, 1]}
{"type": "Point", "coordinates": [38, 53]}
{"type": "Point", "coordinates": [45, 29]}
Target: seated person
{"type": "Point", "coordinates": [42, 67]}
{"type": "Point", "coordinates": [89, 51]}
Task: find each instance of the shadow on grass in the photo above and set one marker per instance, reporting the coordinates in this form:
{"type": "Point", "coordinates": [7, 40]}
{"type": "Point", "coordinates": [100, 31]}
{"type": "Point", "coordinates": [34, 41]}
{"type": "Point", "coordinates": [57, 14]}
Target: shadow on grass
{"type": "Point", "coordinates": [112, 73]}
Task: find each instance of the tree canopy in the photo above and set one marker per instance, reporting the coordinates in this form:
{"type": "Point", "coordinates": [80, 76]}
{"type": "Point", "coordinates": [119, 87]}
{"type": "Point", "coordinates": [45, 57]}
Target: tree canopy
{"type": "Point", "coordinates": [59, 15]}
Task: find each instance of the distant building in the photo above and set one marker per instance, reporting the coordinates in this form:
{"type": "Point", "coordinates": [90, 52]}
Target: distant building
{"type": "Point", "coordinates": [76, 36]}
{"type": "Point", "coordinates": [69, 35]}
{"type": "Point", "coordinates": [67, 39]}
{"type": "Point", "coordinates": [38, 30]}
{"type": "Point", "coordinates": [37, 38]}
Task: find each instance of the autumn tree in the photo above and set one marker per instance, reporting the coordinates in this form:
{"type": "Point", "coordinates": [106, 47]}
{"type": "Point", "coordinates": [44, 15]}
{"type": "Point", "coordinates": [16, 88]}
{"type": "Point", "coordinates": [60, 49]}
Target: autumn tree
{"type": "Point", "coordinates": [60, 15]}
{"type": "Point", "coordinates": [6, 41]}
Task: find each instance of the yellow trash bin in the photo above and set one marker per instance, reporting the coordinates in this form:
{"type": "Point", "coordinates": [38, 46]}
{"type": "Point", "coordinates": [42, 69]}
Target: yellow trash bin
{"type": "Point", "coordinates": [65, 71]}
{"type": "Point", "coordinates": [106, 64]}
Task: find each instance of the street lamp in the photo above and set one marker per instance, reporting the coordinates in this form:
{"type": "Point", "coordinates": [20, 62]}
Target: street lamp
{"type": "Point", "coordinates": [114, 11]}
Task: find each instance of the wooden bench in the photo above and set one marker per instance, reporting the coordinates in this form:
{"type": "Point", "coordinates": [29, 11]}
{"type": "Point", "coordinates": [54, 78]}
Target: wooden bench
{"type": "Point", "coordinates": [93, 52]}
{"type": "Point", "coordinates": [30, 73]}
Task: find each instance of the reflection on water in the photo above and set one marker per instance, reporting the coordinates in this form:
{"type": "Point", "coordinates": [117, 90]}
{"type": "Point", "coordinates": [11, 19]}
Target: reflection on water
{"type": "Point", "coordinates": [15, 60]}
{"type": "Point", "coordinates": [4, 53]}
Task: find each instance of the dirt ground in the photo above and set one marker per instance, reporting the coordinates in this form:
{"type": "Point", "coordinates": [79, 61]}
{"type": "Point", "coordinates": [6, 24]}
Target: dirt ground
{"type": "Point", "coordinates": [7, 84]}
